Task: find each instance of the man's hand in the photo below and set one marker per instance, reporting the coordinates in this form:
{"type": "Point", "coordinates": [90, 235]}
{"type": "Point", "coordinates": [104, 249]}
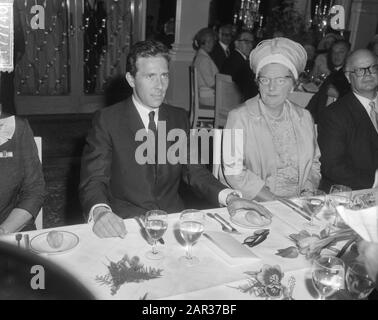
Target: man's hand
{"type": "Point", "coordinates": [236, 204]}
{"type": "Point", "coordinates": [107, 224]}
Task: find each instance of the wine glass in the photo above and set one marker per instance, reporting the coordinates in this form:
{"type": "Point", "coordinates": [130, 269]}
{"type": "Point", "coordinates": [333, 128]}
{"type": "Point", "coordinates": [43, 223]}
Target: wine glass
{"type": "Point", "coordinates": [327, 275]}
{"type": "Point", "coordinates": [156, 222]}
{"type": "Point", "coordinates": [339, 195]}
{"type": "Point", "coordinates": [314, 201]}
{"type": "Point", "coordinates": [191, 228]}
{"type": "Point", "coordinates": [358, 282]}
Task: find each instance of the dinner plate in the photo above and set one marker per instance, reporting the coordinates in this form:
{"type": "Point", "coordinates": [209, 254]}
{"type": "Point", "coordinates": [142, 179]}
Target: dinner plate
{"type": "Point", "coordinates": [39, 243]}
{"type": "Point", "coordinates": [240, 219]}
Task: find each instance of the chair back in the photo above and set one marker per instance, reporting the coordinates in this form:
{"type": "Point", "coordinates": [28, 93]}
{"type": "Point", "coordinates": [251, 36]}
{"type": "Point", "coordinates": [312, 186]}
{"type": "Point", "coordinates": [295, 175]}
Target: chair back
{"type": "Point", "coordinates": [198, 113]}
{"type": "Point", "coordinates": [227, 97]}
{"type": "Point", "coordinates": [300, 98]}
{"type": "Point", "coordinates": [39, 219]}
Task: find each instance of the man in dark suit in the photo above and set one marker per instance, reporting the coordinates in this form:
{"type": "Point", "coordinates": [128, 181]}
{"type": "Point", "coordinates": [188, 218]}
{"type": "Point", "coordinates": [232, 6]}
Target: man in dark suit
{"type": "Point", "coordinates": [118, 179]}
{"type": "Point", "coordinates": [348, 137]}
{"type": "Point", "coordinates": [336, 84]}
{"type": "Point", "coordinates": [237, 65]}
{"type": "Point", "coordinates": [222, 49]}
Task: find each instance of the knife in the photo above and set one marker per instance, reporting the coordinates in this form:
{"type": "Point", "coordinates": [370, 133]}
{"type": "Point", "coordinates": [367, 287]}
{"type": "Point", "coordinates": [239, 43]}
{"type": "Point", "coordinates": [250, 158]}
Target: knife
{"type": "Point", "coordinates": [140, 221]}
{"type": "Point", "coordinates": [295, 208]}
{"type": "Point", "coordinates": [227, 223]}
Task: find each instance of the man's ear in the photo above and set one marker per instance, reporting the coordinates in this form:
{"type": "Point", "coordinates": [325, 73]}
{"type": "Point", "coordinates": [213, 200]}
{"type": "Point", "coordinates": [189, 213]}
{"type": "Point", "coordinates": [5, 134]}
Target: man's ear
{"type": "Point", "coordinates": [347, 75]}
{"type": "Point", "coordinates": [130, 79]}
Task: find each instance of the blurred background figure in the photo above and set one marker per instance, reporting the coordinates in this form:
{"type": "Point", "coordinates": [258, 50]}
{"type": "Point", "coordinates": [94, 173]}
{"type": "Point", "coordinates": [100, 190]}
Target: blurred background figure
{"type": "Point", "coordinates": [167, 35]}
{"type": "Point", "coordinates": [238, 67]}
{"type": "Point", "coordinates": [280, 155]}
{"type": "Point", "coordinates": [321, 69]}
{"type": "Point", "coordinates": [222, 48]}
{"type": "Point", "coordinates": [373, 45]}
{"type": "Point", "coordinates": [203, 43]}
{"type": "Point", "coordinates": [336, 84]}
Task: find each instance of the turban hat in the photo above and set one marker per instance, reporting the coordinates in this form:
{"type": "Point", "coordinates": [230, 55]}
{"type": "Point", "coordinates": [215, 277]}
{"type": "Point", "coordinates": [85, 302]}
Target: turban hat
{"type": "Point", "coordinates": [279, 50]}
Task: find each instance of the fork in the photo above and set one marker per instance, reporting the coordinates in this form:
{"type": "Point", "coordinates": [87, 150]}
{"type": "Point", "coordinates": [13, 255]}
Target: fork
{"type": "Point", "coordinates": [234, 230]}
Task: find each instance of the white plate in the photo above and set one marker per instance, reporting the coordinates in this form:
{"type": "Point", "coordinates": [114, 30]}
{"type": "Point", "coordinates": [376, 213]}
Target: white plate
{"type": "Point", "coordinates": [39, 243]}
{"type": "Point", "coordinates": [240, 219]}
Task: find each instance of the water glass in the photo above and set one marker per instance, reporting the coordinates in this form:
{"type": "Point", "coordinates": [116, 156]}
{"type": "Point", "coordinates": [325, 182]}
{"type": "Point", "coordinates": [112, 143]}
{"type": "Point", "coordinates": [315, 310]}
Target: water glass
{"type": "Point", "coordinates": [358, 282]}
{"type": "Point", "coordinates": [156, 223]}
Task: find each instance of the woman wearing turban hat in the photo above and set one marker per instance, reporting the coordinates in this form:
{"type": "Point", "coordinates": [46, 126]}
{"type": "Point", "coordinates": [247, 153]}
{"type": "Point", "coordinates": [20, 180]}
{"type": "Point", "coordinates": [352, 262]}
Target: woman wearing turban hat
{"type": "Point", "coordinates": [278, 155]}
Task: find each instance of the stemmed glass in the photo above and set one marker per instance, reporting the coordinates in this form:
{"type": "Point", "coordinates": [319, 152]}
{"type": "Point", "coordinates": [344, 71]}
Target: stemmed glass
{"type": "Point", "coordinates": [327, 275]}
{"type": "Point", "coordinates": [156, 222]}
{"type": "Point", "coordinates": [314, 201]}
{"type": "Point", "coordinates": [339, 195]}
{"type": "Point", "coordinates": [358, 282]}
{"type": "Point", "coordinates": [191, 228]}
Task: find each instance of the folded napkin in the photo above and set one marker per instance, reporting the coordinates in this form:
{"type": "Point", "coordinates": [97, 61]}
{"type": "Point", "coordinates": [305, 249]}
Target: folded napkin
{"type": "Point", "coordinates": [230, 249]}
{"type": "Point", "coordinates": [7, 128]}
{"type": "Point", "coordinates": [364, 222]}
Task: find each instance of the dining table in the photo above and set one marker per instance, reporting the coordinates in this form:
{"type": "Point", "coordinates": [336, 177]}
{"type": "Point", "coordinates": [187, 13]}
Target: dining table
{"type": "Point", "coordinates": [217, 276]}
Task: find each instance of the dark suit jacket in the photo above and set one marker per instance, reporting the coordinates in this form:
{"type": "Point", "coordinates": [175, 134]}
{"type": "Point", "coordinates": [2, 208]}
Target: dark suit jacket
{"type": "Point", "coordinates": [110, 173]}
{"type": "Point", "coordinates": [318, 102]}
{"type": "Point", "coordinates": [348, 144]}
{"type": "Point", "coordinates": [218, 55]}
{"type": "Point", "coordinates": [238, 68]}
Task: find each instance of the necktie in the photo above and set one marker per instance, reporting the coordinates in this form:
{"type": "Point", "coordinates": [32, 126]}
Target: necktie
{"type": "Point", "coordinates": [373, 114]}
{"type": "Point", "coordinates": [152, 128]}
{"type": "Point", "coordinates": [227, 52]}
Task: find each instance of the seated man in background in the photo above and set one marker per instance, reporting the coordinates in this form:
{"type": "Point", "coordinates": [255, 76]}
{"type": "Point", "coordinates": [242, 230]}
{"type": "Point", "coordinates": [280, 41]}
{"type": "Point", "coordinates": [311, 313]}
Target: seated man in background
{"type": "Point", "coordinates": [336, 84]}
{"type": "Point", "coordinates": [115, 181]}
{"type": "Point", "coordinates": [238, 67]}
{"type": "Point", "coordinates": [222, 48]}
{"type": "Point", "coordinates": [347, 130]}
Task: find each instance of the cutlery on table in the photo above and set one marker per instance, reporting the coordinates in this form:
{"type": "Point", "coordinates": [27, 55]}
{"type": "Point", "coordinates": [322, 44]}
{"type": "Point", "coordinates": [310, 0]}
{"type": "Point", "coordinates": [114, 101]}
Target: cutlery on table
{"type": "Point", "coordinates": [226, 227]}
{"type": "Point", "coordinates": [140, 221]}
{"type": "Point", "coordinates": [18, 239]}
{"type": "Point", "coordinates": [27, 242]}
{"type": "Point", "coordinates": [295, 208]}
{"type": "Point", "coordinates": [227, 223]}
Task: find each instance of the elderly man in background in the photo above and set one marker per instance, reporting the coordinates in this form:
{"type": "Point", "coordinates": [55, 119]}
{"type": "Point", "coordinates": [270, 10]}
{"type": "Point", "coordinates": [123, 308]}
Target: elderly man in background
{"type": "Point", "coordinates": [336, 84]}
{"type": "Point", "coordinates": [348, 136]}
{"type": "Point", "coordinates": [222, 49]}
{"type": "Point", "coordinates": [237, 65]}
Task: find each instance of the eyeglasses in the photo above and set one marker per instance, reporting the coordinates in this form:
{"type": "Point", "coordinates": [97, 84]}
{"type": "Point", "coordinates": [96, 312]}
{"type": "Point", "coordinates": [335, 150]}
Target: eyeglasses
{"type": "Point", "coordinates": [247, 40]}
{"type": "Point", "coordinates": [280, 81]}
{"type": "Point", "coordinates": [360, 72]}
{"type": "Point", "coordinates": [257, 237]}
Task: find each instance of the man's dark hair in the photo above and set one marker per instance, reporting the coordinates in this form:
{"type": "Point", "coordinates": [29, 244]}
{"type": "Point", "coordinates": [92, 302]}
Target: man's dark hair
{"type": "Point", "coordinates": [145, 49]}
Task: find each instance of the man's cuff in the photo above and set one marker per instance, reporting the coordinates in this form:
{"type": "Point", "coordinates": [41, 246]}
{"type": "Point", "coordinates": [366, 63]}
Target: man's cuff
{"type": "Point", "coordinates": [90, 217]}
{"type": "Point", "coordinates": [222, 196]}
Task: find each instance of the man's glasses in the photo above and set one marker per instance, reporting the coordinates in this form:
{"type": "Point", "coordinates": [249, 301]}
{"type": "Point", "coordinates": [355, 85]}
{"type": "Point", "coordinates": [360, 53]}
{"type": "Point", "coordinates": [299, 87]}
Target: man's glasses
{"type": "Point", "coordinates": [247, 40]}
{"type": "Point", "coordinates": [280, 81]}
{"type": "Point", "coordinates": [360, 72]}
{"type": "Point", "coordinates": [257, 237]}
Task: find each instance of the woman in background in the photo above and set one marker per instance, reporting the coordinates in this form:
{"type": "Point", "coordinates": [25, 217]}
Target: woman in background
{"type": "Point", "coordinates": [278, 155]}
{"type": "Point", "coordinates": [203, 43]}
{"type": "Point", "coordinates": [22, 187]}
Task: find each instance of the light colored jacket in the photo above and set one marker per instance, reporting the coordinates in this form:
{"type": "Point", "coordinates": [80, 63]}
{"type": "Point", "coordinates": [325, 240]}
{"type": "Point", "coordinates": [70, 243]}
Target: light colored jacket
{"type": "Point", "coordinates": [206, 71]}
{"type": "Point", "coordinates": [253, 165]}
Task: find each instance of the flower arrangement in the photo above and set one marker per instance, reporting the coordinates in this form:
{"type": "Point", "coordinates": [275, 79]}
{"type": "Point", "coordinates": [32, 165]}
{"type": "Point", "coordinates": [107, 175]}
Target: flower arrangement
{"type": "Point", "coordinates": [311, 245]}
{"type": "Point", "coordinates": [127, 270]}
{"type": "Point", "coordinates": [267, 283]}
